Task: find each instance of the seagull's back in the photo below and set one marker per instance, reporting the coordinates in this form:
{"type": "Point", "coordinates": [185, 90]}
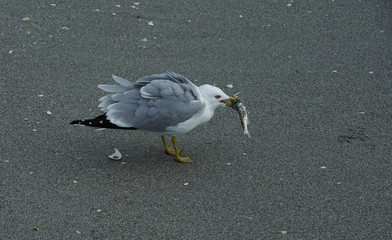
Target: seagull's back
{"type": "Point", "coordinates": [153, 103]}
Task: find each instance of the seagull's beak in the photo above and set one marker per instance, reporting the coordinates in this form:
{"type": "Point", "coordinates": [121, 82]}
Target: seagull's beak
{"type": "Point", "coordinates": [229, 102]}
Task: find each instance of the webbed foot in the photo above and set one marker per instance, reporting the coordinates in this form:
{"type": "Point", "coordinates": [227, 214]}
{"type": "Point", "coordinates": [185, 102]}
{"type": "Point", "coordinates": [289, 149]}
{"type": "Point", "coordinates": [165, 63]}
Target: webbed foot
{"type": "Point", "coordinates": [183, 159]}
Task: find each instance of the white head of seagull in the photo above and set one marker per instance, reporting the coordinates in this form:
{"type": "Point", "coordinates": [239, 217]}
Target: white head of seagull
{"type": "Point", "coordinates": [214, 96]}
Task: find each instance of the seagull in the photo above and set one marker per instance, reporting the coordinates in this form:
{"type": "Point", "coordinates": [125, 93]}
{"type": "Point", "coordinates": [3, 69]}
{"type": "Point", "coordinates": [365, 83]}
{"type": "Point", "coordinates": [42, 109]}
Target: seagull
{"type": "Point", "coordinates": [166, 104]}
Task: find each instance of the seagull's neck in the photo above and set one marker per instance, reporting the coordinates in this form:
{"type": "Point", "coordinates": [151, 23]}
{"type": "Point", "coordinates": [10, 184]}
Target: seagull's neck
{"type": "Point", "coordinates": [207, 113]}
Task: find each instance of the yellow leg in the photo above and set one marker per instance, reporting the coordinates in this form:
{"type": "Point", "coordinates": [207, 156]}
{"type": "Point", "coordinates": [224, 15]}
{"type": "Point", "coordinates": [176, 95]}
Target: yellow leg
{"type": "Point", "coordinates": [178, 158]}
{"type": "Point", "coordinates": [168, 150]}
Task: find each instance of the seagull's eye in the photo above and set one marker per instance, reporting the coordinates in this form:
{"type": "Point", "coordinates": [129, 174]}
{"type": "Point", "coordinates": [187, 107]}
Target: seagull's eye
{"type": "Point", "coordinates": [217, 96]}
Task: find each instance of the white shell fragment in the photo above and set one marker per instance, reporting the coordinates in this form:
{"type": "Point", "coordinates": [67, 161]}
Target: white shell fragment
{"type": "Point", "coordinates": [229, 85]}
{"type": "Point", "coordinates": [49, 112]}
{"type": "Point", "coordinates": [116, 155]}
{"type": "Point", "coordinates": [150, 23]}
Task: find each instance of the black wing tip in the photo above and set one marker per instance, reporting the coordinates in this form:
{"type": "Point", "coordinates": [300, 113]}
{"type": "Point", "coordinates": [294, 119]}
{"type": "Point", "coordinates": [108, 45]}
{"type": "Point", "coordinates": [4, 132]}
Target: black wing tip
{"type": "Point", "coordinates": [74, 122]}
{"type": "Point", "coordinates": [99, 122]}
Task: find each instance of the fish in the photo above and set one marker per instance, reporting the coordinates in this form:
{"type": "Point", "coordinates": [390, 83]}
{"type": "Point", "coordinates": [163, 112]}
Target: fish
{"type": "Point", "coordinates": [243, 113]}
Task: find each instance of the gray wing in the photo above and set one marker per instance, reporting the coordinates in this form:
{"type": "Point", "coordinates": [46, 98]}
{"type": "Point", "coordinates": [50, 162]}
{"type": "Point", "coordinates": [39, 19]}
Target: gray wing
{"type": "Point", "coordinates": [153, 103]}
